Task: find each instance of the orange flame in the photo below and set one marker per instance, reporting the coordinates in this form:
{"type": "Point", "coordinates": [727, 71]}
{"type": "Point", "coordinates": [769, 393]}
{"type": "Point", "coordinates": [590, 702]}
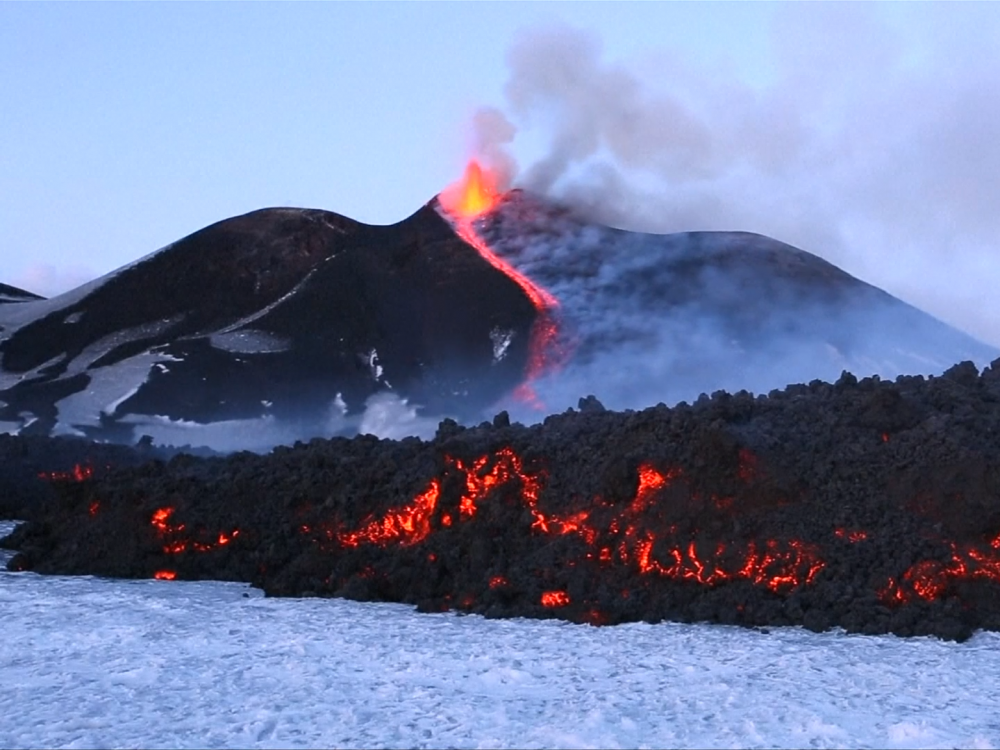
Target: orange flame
{"type": "Point", "coordinates": [475, 194]}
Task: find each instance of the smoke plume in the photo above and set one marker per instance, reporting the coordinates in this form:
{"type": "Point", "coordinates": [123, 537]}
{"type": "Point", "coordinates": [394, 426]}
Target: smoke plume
{"type": "Point", "coordinates": [880, 153]}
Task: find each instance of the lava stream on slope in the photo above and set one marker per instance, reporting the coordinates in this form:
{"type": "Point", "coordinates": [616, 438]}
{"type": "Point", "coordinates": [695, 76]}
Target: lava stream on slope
{"type": "Point", "coordinates": [463, 203]}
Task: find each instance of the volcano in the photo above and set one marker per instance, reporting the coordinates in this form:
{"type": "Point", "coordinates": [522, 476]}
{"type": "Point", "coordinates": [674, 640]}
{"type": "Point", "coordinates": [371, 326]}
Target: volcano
{"type": "Point", "coordinates": [286, 324]}
{"type": "Point", "coordinates": [286, 317]}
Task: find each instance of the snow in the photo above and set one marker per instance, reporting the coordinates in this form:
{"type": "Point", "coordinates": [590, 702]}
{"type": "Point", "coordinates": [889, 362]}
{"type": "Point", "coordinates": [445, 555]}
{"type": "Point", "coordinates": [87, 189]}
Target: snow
{"type": "Point", "coordinates": [249, 341]}
{"type": "Point", "coordinates": [108, 388]}
{"type": "Point", "coordinates": [15, 317]}
{"type": "Point", "coordinates": [501, 342]}
{"type": "Point", "coordinates": [256, 434]}
{"type": "Point", "coordinates": [89, 662]}
{"type": "Point", "coordinates": [244, 322]}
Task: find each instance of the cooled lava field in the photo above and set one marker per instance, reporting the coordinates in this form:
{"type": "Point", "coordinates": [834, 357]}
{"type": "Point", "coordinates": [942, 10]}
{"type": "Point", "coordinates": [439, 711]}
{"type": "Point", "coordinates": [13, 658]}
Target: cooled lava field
{"type": "Point", "coordinates": [869, 505]}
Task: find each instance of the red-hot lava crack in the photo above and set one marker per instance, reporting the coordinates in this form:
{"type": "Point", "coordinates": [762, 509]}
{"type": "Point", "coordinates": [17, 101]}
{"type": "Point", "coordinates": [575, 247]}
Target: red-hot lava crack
{"type": "Point", "coordinates": [79, 473]}
{"type": "Point", "coordinates": [931, 579]}
{"type": "Point", "coordinates": [626, 537]}
{"type": "Point", "coordinates": [177, 540]}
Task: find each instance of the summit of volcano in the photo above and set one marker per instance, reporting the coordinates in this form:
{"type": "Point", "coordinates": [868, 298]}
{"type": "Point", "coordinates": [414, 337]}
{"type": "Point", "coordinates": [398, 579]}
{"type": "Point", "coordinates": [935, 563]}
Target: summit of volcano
{"type": "Point", "coordinates": [287, 324]}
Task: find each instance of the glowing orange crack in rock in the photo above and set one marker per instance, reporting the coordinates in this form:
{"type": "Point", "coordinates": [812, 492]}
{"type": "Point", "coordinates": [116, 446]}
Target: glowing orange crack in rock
{"type": "Point", "coordinates": [408, 525]}
{"type": "Point", "coordinates": [80, 473]}
{"type": "Point", "coordinates": [168, 533]}
{"type": "Point", "coordinates": [929, 579]}
{"type": "Point", "coordinates": [777, 566]}
{"type": "Point", "coordinates": [555, 599]}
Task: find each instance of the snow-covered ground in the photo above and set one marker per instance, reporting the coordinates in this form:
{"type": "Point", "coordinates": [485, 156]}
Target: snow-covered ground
{"type": "Point", "coordinates": [88, 662]}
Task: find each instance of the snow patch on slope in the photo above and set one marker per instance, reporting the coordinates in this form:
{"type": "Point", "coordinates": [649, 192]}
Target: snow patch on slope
{"type": "Point", "coordinates": [15, 317]}
{"type": "Point", "coordinates": [249, 341]}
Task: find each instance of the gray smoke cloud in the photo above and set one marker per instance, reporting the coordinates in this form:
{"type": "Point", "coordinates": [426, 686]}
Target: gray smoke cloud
{"type": "Point", "coordinates": [875, 147]}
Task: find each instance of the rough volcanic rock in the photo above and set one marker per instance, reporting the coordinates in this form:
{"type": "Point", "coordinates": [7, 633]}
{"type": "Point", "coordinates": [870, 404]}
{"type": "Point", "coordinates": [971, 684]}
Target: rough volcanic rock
{"type": "Point", "coordinates": [867, 504]}
{"type": "Point", "coordinates": [30, 466]}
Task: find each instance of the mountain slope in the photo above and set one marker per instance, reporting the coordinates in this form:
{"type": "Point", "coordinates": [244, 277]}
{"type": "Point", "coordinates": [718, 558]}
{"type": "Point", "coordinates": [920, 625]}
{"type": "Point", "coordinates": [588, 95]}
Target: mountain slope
{"type": "Point", "coordinates": [287, 324]}
{"type": "Point", "coordinates": [13, 294]}
{"type": "Point", "coordinates": [667, 317]}
{"type": "Point", "coordinates": [287, 315]}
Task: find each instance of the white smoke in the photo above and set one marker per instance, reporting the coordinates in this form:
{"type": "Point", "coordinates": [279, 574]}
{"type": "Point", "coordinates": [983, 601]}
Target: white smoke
{"type": "Point", "coordinates": [874, 146]}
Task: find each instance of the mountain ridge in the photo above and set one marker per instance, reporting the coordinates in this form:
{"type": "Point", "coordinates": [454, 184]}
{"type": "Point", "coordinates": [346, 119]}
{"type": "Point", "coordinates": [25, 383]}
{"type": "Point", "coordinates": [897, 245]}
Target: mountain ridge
{"type": "Point", "coordinates": [286, 323]}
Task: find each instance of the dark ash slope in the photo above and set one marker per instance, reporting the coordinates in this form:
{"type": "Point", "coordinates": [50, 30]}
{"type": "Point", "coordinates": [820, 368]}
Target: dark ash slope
{"type": "Point", "coordinates": [272, 314]}
{"type": "Point", "coordinates": [13, 294]}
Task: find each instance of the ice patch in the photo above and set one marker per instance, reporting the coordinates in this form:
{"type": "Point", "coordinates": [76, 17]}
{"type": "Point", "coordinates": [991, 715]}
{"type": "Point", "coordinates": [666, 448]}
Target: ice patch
{"type": "Point", "coordinates": [109, 387]}
{"type": "Point", "coordinates": [501, 342]}
{"type": "Point", "coordinates": [249, 341]}
{"type": "Point", "coordinates": [258, 435]}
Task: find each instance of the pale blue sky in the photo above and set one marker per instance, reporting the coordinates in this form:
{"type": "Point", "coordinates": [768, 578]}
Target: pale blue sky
{"type": "Point", "coordinates": [124, 126]}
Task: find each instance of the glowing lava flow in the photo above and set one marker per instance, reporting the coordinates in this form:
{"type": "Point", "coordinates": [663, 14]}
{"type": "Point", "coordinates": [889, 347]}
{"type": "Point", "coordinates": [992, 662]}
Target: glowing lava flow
{"type": "Point", "coordinates": [929, 579]}
{"type": "Point", "coordinates": [174, 544]}
{"type": "Point", "coordinates": [80, 473]}
{"type": "Point", "coordinates": [464, 202]}
{"type": "Point", "coordinates": [555, 599]}
{"type": "Point", "coordinates": [409, 525]}
{"type": "Point", "coordinates": [629, 537]}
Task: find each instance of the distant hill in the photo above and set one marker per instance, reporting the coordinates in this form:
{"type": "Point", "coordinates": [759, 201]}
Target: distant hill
{"type": "Point", "coordinates": [13, 294]}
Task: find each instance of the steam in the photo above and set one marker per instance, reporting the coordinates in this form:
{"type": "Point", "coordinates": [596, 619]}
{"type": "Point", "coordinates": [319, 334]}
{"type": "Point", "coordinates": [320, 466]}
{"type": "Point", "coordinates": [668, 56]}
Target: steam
{"type": "Point", "coordinates": [881, 153]}
{"type": "Point", "coordinates": [666, 318]}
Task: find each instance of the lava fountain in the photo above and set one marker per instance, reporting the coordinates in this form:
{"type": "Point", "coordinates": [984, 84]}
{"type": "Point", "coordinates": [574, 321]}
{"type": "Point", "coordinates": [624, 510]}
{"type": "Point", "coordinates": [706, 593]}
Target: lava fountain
{"type": "Point", "coordinates": [464, 202]}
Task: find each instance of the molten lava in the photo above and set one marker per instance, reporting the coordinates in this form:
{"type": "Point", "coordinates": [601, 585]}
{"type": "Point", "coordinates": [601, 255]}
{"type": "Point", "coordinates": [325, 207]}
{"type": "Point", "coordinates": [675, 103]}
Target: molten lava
{"type": "Point", "coordinates": [475, 194]}
{"type": "Point", "coordinates": [930, 579]}
{"type": "Point", "coordinates": [80, 473]}
{"type": "Point", "coordinates": [406, 526]}
{"type": "Point", "coordinates": [555, 599]}
{"type": "Point", "coordinates": [851, 535]}
{"type": "Point", "coordinates": [173, 541]}
{"type": "Point", "coordinates": [465, 201]}
{"type": "Point", "coordinates": [632, 537]}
